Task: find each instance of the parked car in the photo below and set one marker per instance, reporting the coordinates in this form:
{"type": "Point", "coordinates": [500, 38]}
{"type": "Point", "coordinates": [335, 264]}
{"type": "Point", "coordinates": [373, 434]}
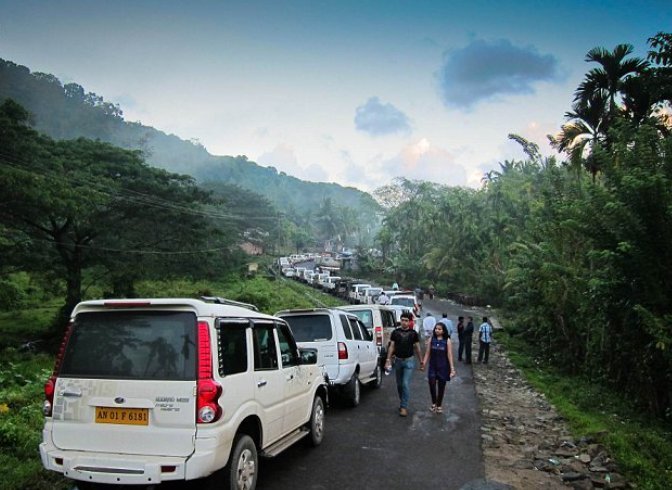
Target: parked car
{"type": "Point", "coordinates": [369, 296]}
{"type": "Point", "coordinates": [379, 321]}
{"type": "Point", "coordinates": [355, 290]}
{"type": "Point", "coordinates": [152, 390]}
{"type": "Point", "coordinates": [288, 272]}
{"type": "Point", "coordinates": [408, 301]}
{"type": "Point", "coordinates": [344, 347]}
{"type": "Point", "coordinates": [330, 283]}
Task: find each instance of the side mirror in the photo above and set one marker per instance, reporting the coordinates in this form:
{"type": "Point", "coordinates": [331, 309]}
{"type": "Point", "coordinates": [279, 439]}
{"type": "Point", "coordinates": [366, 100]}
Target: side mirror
{"type": "Point", "coordinates": [308, 356]}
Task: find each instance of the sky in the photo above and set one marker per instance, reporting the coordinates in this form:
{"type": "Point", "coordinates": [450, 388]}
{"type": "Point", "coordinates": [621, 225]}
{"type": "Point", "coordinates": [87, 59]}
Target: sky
{"type": "Point", "coordinates": [352, 92]}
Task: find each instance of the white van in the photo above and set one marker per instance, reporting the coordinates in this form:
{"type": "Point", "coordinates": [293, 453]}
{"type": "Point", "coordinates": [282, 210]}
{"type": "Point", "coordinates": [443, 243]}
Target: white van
{"type": "Point", "coordinates": [355, 289]}
{"type": "Point", "coordinates": [344, 347]}
{"type": "Point", "coordinates": [152, 390]}
{"type": "Point", "coordinates": [378, 319]}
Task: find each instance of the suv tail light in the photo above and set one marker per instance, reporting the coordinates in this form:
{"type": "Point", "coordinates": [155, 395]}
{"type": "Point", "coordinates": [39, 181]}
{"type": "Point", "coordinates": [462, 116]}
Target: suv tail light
{"type": "Point", "coordinates": [342, 351]}
{"type": "Point", "coordinates": [379, 334]}
{"type": "Point", "coordinates": [208, 390]}
{"type": "Point", "coordinates": [50, 385]}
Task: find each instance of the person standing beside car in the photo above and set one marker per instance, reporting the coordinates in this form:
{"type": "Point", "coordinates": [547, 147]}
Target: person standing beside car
{"type": "Point", "coordinates": [404, 343]}
{"type": "Point", "coordinates": [428, 327]}
{"type": "Point", "coordinates": [383, 299]}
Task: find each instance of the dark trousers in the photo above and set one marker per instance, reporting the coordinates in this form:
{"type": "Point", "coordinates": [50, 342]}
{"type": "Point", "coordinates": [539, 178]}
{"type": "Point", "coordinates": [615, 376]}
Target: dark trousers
{"type": "Point", "coordinates": [437, 398]}
{"type": "Point", "coordinates": [460, 348]}
{"type": "Point", "coordinates": [483, 351]}
{"type": "Point", "coordinates": [467, 348]}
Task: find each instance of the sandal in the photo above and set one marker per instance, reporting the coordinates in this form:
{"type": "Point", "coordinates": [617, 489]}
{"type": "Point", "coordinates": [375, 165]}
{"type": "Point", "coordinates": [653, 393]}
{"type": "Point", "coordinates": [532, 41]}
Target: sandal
{"type": "Point", "coordinates": [439, 410]}
{"type": "Point", "coordinates": [432, 408]}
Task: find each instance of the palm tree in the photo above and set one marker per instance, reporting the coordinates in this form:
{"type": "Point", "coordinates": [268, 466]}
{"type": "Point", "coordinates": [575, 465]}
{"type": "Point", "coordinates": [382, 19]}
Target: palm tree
{"type": "Point", "coordinates": [609, 79]}
{"type": "Point", "coordinates": [578, 137]}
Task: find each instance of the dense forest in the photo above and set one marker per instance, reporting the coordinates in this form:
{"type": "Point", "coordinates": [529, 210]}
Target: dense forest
{"type": "Point", "coordinates": [578, 250]}
{"type": "Point", "coordinates": [67, 111]}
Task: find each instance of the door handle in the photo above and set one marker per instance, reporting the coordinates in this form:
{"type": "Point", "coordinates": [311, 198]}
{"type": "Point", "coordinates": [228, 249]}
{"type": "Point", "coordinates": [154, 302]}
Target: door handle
{"type": "Point", "coordinates": [290, 377]}
{"type": "Point", "coordinates": [261, 382]}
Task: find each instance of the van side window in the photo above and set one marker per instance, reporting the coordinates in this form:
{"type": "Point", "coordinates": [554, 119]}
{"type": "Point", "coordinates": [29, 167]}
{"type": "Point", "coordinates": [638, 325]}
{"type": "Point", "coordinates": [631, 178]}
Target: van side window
{"type": "Point", "coordinates": [265, 350]}
{"type": "Point", "coordinates": [346, 327]}
{"type": "Point", "coordinates": [388, 319]}
{"type": "Point", "coordinates": [355, 329]}
{"type": "Point", "coordinates": [288, 349]}
{"type": "Point", "coordinates": [232, 347]}
{"type": "Point", "coordinates": [366, 333]}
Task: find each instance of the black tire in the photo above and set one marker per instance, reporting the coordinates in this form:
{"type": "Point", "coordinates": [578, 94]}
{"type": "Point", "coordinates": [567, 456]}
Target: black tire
{"type": "Point", "coordinates": [316, 423]}
{"type": "Point", "coordinates": [353, 391]}
{"type": "Point", "coordinates": [241, 470]}
{"type": "Point", "coordinates": [377, 377]}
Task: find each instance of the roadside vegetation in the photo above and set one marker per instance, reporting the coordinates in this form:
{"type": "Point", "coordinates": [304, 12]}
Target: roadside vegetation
{"type": "Point", "coordinates": [641, 444]}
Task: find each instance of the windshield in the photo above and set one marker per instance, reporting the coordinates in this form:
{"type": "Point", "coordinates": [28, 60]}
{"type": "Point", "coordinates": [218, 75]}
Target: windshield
{"type": "Point", "coordinates": [132, 345]}
{"type": "Point", "coordinates": [310, 328]}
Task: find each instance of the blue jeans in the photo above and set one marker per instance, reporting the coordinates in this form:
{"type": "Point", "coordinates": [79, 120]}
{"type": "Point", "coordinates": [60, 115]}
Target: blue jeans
{"type": "Point", "coordinates": [403, 370]}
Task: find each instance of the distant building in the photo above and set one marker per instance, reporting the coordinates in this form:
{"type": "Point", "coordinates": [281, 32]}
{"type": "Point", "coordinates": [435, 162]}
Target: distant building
{"type": "Point", "coordinates": [252, 248]}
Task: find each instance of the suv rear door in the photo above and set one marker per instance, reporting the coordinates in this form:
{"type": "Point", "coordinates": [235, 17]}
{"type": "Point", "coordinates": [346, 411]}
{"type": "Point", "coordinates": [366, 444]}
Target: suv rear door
{"type": "Point", "coordinates": [128, 375]}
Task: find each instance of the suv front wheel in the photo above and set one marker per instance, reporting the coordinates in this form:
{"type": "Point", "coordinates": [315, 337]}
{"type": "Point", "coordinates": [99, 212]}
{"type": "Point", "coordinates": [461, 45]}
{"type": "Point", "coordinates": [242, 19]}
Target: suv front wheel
{"type": "Point", "coordinates": [242, 468]}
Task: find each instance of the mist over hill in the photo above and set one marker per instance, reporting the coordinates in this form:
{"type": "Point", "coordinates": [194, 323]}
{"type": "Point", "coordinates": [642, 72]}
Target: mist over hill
{"type": "Point", "coordinates": [67, 111]}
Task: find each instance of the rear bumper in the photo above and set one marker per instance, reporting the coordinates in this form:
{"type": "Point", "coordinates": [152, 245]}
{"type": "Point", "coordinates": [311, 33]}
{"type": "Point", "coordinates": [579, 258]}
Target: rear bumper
{"type": "Point", "coordinates": [133, 469]}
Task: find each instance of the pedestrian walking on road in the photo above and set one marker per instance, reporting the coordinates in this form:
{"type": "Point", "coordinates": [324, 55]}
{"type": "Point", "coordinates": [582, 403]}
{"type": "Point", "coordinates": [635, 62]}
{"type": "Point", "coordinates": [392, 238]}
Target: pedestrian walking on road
{"type": "Point", "coordinates": [467, 337]}
{"type": "Point", "coordinates": [404, 342]}
{"type": "Point", "coordinates": [450, 328]}
{"type": "Point", "coordinates": [460, 337]}
{"type": "Point", "coordinates": [428, 327]}
{"type": "Point", "coordinates": [485, 338]}
{"type": "Point", "coordinates": [440, 365]}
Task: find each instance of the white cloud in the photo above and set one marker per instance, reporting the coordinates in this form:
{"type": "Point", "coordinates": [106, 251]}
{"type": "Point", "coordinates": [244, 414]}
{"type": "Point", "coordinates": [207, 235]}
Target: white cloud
{"type": "Point", "coordinates": [423, 161]}
{"type": "Point", "coordinates": [377, 119]}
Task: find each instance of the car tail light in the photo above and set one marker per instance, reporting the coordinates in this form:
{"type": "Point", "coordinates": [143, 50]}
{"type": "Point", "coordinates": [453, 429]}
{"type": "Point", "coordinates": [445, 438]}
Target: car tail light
{"type": "Point", "coordinates": [342, 351]}
{"type": "Point", "coordinates": [50, 385]}
{"type": "Point", "coordinates": [379, 335]}
{"type": "Point", "coordinates": [208, 390]}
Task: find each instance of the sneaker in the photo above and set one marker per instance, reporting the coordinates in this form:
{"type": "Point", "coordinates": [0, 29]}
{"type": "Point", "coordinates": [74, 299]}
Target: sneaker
{"type": "Point", "coordinates": [403, 412]}
{"type": "Point", "coordinates": [432, 408]}
{"type": "Point", "coordinates": [439, 409]}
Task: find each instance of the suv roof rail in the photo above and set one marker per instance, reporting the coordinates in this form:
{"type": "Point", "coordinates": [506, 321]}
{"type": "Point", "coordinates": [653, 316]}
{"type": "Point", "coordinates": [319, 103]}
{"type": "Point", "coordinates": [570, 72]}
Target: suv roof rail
{"type": "Point", "coordinates": [225, 301]}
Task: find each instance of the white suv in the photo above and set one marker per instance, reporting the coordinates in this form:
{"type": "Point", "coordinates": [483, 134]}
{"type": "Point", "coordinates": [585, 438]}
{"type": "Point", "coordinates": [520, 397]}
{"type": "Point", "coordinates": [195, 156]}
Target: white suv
{"type": "Point", "coordinates": [152, 390]}
{"type": "Point", "coordinates": [345, 347]}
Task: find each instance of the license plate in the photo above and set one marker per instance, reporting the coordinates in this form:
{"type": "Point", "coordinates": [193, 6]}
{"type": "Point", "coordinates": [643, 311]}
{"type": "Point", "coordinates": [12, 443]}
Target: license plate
{"type": "Point", "coordinates": [125, 416]}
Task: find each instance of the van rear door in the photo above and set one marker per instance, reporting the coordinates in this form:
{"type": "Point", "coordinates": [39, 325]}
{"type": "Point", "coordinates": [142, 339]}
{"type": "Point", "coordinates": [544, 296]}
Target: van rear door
{"type": "Point", "coordinates": [127, 384]}
{"type": "Point", "coordinates": [315, 330]}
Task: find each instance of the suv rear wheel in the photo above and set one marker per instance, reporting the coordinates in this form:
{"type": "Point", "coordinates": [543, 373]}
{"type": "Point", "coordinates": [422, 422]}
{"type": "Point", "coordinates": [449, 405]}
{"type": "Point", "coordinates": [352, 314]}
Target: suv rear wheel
{"type": "Point", "coordinates": [377, 377]}
{"type": "Point", "coordinates": [316, 423]}
{"type": "Point", "coordinates": [241, 471]}
{"type": "Point", "coordinates": [353, 391]}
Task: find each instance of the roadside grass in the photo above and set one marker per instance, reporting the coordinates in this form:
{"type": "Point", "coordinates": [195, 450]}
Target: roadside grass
{"type": "Point", "coordinates": [24, 369]}
{"type": "Point", "coordinates": [640, 444]}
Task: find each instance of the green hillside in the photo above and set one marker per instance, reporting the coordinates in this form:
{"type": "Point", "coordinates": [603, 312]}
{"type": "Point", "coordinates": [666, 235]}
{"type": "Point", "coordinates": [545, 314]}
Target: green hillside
{"type": "Point", "coordinates": [67, 111]}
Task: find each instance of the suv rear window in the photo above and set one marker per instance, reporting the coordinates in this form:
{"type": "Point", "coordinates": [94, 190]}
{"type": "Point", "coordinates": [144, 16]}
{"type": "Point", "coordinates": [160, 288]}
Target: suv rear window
{"type": "Point", "coordinates": [132, 345]}
{"type": "Point", "coordinates": [310, 328]}
{"type": "Point", "coordinates": [365, 316]}
{"type": "Point", "coordinates": [409, 302]}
